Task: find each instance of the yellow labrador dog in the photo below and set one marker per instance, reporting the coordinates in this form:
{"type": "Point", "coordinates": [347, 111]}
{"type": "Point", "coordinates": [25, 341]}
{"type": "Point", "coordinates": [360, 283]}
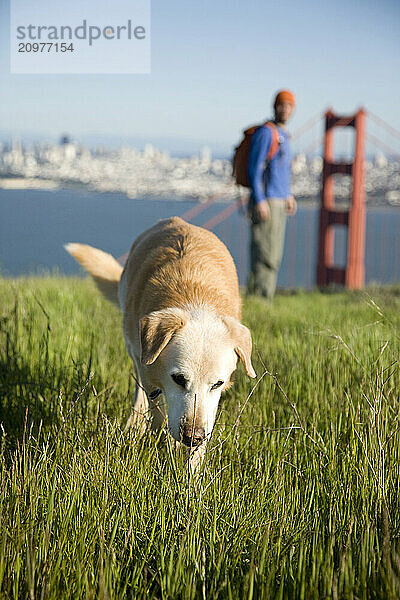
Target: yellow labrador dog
{"type": "Point", "coordinates": [179, 296]}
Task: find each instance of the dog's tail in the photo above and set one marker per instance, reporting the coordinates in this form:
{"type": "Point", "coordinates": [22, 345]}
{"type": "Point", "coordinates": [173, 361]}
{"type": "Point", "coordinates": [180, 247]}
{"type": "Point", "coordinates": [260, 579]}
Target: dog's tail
{"type": "Point", "coordinates": [103, 267]}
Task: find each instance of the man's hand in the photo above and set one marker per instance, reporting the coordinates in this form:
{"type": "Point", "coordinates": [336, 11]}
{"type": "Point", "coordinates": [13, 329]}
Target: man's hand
{"type": "Point", "coordinates": [262, 211]}
{"type": "Point", "coordinates": [291, 205]}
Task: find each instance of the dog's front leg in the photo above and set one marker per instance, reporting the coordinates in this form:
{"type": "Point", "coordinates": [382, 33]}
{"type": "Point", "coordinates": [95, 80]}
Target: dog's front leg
{"type": "Point", "coordinates": [139, 417]}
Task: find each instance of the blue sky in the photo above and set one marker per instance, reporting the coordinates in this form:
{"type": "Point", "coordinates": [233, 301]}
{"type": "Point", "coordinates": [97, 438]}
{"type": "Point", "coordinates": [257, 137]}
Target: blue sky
{"type": "Point", "coordinates": [215, 67]}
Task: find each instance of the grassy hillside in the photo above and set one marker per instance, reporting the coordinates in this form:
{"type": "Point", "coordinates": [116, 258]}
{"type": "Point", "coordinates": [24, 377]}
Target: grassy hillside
{"type": "Point", "coordinates": [299, 497]}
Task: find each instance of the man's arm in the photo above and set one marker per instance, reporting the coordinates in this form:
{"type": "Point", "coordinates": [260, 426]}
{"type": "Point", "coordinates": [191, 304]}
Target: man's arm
{"type": "Point", "coordinates": [260, 146]}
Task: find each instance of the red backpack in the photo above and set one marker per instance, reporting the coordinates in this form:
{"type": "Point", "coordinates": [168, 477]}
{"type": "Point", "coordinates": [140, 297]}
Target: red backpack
{"type": "Point", "coordinates": [240, 161]}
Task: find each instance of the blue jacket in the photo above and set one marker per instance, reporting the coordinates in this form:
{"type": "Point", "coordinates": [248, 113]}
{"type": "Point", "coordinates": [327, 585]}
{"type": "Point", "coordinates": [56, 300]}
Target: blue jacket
{"type": "Point", "coordinates": [275, 182]}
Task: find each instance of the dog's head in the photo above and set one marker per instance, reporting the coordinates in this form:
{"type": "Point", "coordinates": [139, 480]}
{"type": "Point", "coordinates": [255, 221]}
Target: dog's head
{"type": "Point", "coordinates": [189, 357]}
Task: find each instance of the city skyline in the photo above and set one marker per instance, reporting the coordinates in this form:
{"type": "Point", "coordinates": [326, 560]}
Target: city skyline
{"type": "Point", "coordinates": [157, 174]}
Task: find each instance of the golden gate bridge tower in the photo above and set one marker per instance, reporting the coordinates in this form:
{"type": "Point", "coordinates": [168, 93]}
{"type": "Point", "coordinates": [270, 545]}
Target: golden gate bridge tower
{"type": "Point", "coordinates": [353, 274]}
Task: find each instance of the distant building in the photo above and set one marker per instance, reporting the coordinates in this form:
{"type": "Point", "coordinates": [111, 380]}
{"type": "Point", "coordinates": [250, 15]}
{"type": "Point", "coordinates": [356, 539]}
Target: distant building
{"type": "Point", "coordinates": [381, 161]}
{"type": "Point", "coordinates": [299, 164]}
{"type": "Point", "coordinates": [65, 139]}
{"type": "Point", "coordinates": [206, 157]}
{"type": "Point", "coordinates": [149, 151]}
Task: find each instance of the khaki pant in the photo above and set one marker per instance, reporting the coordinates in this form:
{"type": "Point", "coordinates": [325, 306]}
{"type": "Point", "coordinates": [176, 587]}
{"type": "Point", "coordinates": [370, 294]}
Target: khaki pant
{"type": "Point", "coordinates": [266, 249]}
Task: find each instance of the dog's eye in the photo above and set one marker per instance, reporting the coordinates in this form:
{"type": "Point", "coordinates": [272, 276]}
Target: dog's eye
{"type": "Point", "coordinates": [217, 385]}
{"type": "Point", "coordinates": [179, 379]}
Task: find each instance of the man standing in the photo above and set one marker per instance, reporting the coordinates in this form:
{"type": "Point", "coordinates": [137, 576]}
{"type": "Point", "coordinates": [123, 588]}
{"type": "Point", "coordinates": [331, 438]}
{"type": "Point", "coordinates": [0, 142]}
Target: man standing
{"type": "Point", "coordinates": [270, 199]}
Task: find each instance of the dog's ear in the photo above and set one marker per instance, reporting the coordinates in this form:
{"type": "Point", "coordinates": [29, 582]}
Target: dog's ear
{"type": "Point", "coordinates": [156, 330]}
{"type": "Point", "coordinates": [241, 337]}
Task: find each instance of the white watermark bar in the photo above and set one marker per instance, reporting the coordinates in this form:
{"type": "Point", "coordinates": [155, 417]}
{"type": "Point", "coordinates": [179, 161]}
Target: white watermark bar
{"type": "Point", "coordinates": [95, 36]}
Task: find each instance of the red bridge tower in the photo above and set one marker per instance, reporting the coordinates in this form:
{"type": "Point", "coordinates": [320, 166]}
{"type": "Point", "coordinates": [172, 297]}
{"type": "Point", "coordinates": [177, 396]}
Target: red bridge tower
{"type": "Point", "coordinates": [352, 275]}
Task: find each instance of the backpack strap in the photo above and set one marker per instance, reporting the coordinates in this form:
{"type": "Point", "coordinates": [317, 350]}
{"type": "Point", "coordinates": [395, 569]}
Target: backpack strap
{"type": "Point", "coordinates": [274, 147]}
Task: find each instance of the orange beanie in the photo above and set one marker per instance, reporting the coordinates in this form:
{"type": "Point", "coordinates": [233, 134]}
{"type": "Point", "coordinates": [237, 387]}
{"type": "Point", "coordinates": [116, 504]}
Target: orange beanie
{"type": "Point", "coordinates": [284, 96]}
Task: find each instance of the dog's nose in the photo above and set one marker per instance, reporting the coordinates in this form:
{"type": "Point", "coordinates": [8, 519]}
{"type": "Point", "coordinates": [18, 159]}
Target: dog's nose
{"type": "Point", "coordinates": [192, 436]}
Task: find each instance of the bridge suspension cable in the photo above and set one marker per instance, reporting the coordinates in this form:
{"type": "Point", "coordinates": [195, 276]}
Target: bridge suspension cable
{"type": "Point", "coordinates": [383, 124]}
{"type": "Point", "coordinates": [307, 125]}
{"type": "Point", "coordinates": [377, 142]}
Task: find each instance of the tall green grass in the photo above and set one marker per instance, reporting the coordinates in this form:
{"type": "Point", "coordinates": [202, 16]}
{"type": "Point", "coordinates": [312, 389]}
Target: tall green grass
{"type": "Point", "coordinates": [299, 496]}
